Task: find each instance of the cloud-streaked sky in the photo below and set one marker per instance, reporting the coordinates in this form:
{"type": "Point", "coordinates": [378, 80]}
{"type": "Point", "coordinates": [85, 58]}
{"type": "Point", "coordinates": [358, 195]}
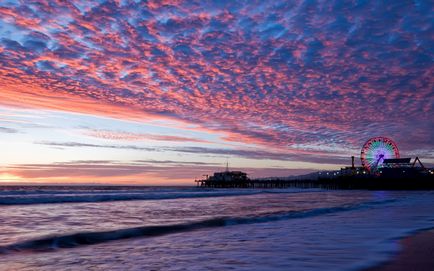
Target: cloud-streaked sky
{"type": "Point", "coordinates": [164, 91]}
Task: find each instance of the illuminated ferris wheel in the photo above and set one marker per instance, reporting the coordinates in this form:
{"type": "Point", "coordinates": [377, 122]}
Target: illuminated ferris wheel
{"type": "Point", "coordinates": [375, 150]}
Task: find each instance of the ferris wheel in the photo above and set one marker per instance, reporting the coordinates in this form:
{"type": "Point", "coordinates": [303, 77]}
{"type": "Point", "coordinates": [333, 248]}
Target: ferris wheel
{"type": "Point", "coordinates": [375, 150]}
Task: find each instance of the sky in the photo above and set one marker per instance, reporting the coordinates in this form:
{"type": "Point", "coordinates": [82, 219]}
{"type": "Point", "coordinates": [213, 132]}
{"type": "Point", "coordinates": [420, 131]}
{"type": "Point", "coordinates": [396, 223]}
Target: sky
{"type": "Point", "coordinates": [163, 92]}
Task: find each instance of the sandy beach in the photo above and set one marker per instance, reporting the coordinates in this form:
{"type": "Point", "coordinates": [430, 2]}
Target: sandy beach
{"type": "Point", "coordinates": [417, 254]}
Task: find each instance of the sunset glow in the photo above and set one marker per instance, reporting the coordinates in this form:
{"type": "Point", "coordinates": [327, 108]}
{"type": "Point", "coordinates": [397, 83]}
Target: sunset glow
{"type": "Point", "coordinates": [162, 92]}
{"type": "Point", "coordinates": [6, 177]}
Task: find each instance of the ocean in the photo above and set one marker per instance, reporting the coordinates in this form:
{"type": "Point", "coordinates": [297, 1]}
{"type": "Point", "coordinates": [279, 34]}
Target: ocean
{"type": "Point", "coordinates": [189, 228]}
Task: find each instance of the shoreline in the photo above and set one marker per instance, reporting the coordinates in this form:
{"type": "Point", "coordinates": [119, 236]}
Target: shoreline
{"type": "Point", "coordinates": [417, 253]}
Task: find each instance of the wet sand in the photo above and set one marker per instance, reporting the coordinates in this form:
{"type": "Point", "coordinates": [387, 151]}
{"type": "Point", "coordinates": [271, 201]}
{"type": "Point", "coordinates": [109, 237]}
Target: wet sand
{"type": "Point", "coordinates": [417, 254]}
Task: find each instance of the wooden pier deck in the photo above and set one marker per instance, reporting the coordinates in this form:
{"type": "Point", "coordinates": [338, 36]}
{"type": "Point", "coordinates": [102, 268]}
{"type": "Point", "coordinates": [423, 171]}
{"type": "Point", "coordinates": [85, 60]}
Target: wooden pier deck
{"type": "Point", "coordinates": [419, 183]}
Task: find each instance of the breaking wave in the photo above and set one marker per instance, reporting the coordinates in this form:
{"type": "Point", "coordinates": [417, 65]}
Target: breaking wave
{"type": "Point", "coordinates": [88, 238]}
{"type": "Point", "coordinates": [65, 197]}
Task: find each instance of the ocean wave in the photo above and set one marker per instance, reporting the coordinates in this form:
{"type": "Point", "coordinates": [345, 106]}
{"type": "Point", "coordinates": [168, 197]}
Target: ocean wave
{"type": "Point", "coordinates": [51, 243]}
{"type": "Point", "coordinates": [50, 198]}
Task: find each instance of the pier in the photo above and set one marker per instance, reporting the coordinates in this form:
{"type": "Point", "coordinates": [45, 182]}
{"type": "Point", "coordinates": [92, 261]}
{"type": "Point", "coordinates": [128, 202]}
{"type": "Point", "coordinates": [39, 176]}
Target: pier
{"type": "Point", "coordinates": [365, 183]}
{"type": "Point", "coordinates": [381, 173]}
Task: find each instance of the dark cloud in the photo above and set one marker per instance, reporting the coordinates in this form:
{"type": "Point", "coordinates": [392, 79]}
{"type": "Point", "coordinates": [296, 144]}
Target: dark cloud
{"type": "Point", "coordinates": [11, 44]}
{"type": "Point", "coordinates": [8, 130]}
{"type": "Point", "coordinates": [171, 162]}
{"type": "Point", "coordinates": [86, 145]}
{"type": "Point", "coordinates": [108, 169]}
{"type": "Point", "coordinates": [218, 152]}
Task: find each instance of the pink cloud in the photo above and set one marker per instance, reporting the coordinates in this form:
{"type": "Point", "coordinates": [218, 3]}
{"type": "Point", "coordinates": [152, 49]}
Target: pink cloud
{"type": "Point", "coordinates": [276, 77]}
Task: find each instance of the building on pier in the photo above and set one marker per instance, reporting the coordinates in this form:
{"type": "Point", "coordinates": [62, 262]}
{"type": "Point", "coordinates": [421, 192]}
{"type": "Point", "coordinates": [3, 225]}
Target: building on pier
{"type": "Point", "coordinates": [225, 178]}
{"type": "Point", "coordinates": [229, 176]}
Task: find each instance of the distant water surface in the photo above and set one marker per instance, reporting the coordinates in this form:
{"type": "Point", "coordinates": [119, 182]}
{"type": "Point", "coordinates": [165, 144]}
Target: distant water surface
{"type": "Point", "coordinates": [178, 228]}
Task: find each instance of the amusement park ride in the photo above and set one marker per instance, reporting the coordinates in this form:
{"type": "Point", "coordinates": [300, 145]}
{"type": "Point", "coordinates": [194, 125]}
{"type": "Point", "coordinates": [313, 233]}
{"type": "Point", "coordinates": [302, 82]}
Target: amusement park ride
{"type": "Point", "coordinates": [380, 156]}
{"type": "Point", "coordinates": [376, 150]}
